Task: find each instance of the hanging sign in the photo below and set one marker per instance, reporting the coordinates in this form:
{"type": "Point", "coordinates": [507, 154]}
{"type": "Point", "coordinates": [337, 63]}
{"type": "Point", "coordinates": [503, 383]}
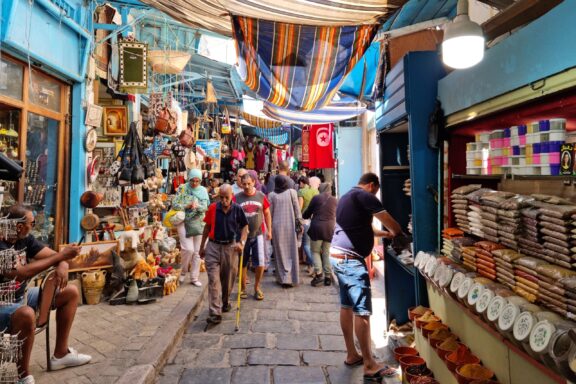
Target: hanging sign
{"type": "Point", "coordinates": [305, 144]}
{"type": "Point", "coordinates": [211, 151]}
{"type": "Point", "coordinates": [133, 65]}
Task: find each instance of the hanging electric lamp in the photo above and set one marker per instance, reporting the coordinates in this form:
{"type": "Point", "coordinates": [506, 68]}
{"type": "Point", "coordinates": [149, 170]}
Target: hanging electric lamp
{"type": "Point", "coordinates": [463, 45]}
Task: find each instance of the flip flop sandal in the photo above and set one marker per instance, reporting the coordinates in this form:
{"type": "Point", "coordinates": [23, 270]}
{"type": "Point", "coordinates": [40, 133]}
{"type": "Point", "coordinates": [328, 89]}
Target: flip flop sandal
{"type": "Point", "coordinates": [356, 363]}
{"type": "Point", "coordinates": [258, 295]}
{"type": "Point", "coordinates": [243, 295]}
{"type": "Point", "coordinates": [381, 374]}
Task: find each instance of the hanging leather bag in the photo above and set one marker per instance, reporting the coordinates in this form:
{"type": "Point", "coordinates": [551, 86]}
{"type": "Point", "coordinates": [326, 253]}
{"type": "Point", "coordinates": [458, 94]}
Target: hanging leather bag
{"type": "Point", "coordinates": [187, 137]}
{"type": "Point", "coordinates": [126, 159]}
{"type": "Point", "coordinates": [148, 164]}
{"type": "Point", "coordinates": [165, 121]}
{"type": "Point", "coordinates": [137, 176]}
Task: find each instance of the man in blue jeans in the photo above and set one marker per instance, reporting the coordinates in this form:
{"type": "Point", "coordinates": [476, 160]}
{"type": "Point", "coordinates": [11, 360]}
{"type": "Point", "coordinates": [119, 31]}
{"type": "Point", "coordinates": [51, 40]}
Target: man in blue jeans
{"type": "Point", "coordinates": [353, 240]}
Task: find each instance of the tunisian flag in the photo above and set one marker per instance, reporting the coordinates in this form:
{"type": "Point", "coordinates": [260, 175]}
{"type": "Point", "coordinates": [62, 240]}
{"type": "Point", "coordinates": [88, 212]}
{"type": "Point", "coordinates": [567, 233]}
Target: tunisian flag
{"type": "Point", "coordinates": [321, 146]}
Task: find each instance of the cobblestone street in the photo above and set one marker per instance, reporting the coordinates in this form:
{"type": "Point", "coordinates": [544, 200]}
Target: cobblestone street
{"type": "Point", "coordinates": [293, 336]}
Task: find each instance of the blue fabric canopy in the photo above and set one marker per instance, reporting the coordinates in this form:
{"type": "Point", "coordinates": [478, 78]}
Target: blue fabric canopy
{"type": "Point", "coordinates": [343, 109]}
{"type": "Point", "coordinates": [418, 11]}
{"type": "Point", "coordinates": [276, 136]}
{"type": "Point", "coordinates": [361, 78]}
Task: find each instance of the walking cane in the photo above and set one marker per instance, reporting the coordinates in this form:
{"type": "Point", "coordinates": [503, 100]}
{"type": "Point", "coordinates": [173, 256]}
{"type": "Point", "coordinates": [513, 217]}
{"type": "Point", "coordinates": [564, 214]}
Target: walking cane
{"type": "Point", "coordinates": [239, 291]}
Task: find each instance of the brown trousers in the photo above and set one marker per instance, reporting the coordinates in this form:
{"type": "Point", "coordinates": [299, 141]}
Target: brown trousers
{"type": "Point", "coordinates": [222, 267]}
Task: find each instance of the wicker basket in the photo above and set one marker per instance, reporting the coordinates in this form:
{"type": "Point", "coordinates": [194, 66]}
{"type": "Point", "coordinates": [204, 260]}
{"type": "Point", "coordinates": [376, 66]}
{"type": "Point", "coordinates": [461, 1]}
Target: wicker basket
{"type": "Point", "coordinates": [169, 62]}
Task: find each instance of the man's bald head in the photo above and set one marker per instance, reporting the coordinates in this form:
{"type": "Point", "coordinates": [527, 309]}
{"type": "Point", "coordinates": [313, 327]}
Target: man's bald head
{"type": "Point", "coordinates": [225, 190]}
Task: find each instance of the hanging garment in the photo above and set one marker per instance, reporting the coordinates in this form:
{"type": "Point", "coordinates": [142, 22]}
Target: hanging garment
{"type": "Point", "coordinates": [260, 157]}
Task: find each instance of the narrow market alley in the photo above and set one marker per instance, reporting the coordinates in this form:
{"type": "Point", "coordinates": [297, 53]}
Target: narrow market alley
{"type": "Point", "coordinates": [293, 336]}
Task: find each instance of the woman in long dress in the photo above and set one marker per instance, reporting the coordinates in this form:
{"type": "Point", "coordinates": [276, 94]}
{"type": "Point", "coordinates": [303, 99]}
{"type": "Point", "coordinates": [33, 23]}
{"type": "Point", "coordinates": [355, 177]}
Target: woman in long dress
{"type": "Point", "coordinates": [285, 211]}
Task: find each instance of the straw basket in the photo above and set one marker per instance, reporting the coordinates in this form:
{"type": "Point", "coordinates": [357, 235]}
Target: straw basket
{"type": "Point", "coordinates": [169, 62]}
{"type": "Point", "coordinates": [92, 286]}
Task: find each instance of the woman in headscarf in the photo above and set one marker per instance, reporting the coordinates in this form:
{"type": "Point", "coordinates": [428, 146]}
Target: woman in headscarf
{"type": "Point", "coordinates": [285, 211]}
{"type": "Point", "coordinates": [322, 210]}
{"type": "Point", "coordinates": [257, 184]}
{"type": "Point", "coordinates": [193, 199]}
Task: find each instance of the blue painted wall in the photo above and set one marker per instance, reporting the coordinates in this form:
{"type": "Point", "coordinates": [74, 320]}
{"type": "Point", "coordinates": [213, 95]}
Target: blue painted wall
{"type": "Point", "coordinates": [349, 155]}
{"type": "Point", "coordinates": [541, 49]}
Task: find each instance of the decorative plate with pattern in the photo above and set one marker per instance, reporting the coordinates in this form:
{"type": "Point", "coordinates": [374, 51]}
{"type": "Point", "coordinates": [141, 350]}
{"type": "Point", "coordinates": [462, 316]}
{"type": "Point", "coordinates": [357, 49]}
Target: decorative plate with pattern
{"type": "Point", "coordinates": [418, 259]}
{"type": "Point", "coordinates": [474, 293]}
{"type": "Point", "coordinates": [508, 316]}
{"type": "Point", "coordinates": [495, 308]}
{"type": "Point", "coordinates": [523, 326]}
{"type": "Point", "coordinates": [424, 261]}
{"type": "Point", "coordinates": [446, 277]}
{"type": "Point", "coordinates": [431, 267]}
{"type": "Point", "coordinates": [438, 272]}
{"type": "Point", "coordinates": [484, 300]}
{"type": "Point", "coordinates": [456, 281]}
{"type": "Point", "coordinates": [465, 287]}
{"type": "Point", "coordinates": [541, 335]}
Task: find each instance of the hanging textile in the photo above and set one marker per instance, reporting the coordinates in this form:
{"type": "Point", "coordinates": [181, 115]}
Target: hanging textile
{"type": "Point", "coordinates": [297, 67]}
{"type": "Point", "coordinates": [276, 136]}
{"type": "Point", "coordinates": [321, 146]}
{"type": "Point", "coordinates": [360, 81]}
{"type": "Point", "coordinates": [343, 109]}
{"type": "Point", "coordinates": [213, 15]}
{"type": "Point", "coordinates": [261, 122]}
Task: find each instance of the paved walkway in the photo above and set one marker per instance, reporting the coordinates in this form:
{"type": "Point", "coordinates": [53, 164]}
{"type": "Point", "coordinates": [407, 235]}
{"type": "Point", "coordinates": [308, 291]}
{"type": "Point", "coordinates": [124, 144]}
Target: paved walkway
{"type": "Point", "coordinates": [121, 337]}
{"type": "Point", "coordinates": [293, 336]}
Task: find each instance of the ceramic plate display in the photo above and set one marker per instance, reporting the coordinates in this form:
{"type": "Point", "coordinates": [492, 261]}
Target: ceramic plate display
{"type": "Point", "coordinates": [418, 259]}
{"type": "Point", "coordinates": [474, 293]}
{"type": "Point", "coordinates": [423, 261]}
{"type": "Point", "coordinates": [484, 300]}
{"type": "Point", "coordinates": [495, 307]}
{"type": "Point", "coordinates": [523, 326]}
{"type": "Point", "coordinates": [438, 272]}
{"type": "Point", "coordinates": [456, 281]}
{"type": "Point", "coordinates": [508, 316]}
{"type": "Point", "coordinates": [541, 335]}
{"type": "Point", "coordinates": [91, 140]}
{"type": "Point", "coordinates": [431, 266]}
{"type": "Point", "coordinates": [465, 287]}
{"type": "Point", "coordinates": [446, 277]}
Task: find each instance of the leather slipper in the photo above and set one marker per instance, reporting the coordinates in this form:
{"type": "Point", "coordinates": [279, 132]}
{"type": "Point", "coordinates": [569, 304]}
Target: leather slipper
{"type": "Point", "coordinates": [356, 363]}
{"type": "Point", "coordinates": [381, 374]}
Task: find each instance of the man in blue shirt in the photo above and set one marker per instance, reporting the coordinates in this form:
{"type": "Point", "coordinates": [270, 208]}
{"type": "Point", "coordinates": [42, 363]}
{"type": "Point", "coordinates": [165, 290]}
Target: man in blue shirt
{"type": "Point", "coordinates": [352, 241]}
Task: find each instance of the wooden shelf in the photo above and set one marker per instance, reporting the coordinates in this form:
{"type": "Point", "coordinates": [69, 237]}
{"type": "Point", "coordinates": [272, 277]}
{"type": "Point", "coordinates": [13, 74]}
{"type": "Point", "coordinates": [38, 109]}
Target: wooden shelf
{"type": "Point", "coordinates": [477, 177]}
{"type": "Point", "coordinates": [396, 168]}
{"type": "Point", "coordinates": [409, 268]}
{"type": "Point", "coordinates": [511, 364]}
{"type": "Point", "coordinates": [513, 177]}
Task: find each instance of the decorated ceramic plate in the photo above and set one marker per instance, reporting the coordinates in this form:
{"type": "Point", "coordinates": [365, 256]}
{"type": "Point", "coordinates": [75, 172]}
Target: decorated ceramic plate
{"type": "Point", "coordinates": [431, 266]}
{"type": "Point", "coordinates": [508, 316]}
{"type": "Point", "coordinates": [474, 293]}
{"type": "Point", "coordinates": [456, 281]}
{"type": "Point", "coordinates": [420, 257]}
{"type": "Point", "coordinates": [446, 277]}
{"type": "Point", "coordinates": [484, 300]}
{"type": "Point", "coordinates": [495, 308]}
{"type": "Point", "coordinates": [541, 335]}
{"type": "Point", "coordinates": [438, 272]}
{"type": "Point", "coordinates": [423, 260]}
{"type": "Point", "coordinates": [523, 326]}
{"type": "Point", "coordinates": [465, 287]}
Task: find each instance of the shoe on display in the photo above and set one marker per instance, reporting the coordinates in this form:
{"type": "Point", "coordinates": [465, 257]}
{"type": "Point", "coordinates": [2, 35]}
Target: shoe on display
{"type": "Point", "coordinates": [27, 380]}
{"type": "Point", "coordinates": [317, 280]}
{"type": "Point", "coordinates": [196, 283]}
{"type": "Point", "coordinates": [214, 319]}
{"type": "Point", "coordinates": [226, 307]}
{"type": "Point", "coordinates": [72, 359]}
{"type": "Point", "coordinates": [327, 281]}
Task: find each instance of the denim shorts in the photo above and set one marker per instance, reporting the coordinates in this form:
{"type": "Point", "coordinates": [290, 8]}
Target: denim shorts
{"type": "Point", "coordinates": [355, 291]}
{"type": "Point", "coordinates": [6, 311]}
{"type": "Point", "coordinates": [255, 251]}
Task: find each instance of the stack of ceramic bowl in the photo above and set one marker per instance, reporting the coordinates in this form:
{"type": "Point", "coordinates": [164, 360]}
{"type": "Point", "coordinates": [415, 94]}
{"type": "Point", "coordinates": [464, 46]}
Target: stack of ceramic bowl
{"type": "Point", "coordinates": [525, 267]}
{"type": "Point", "coordinates": [485, 263]}
{"type": "Point", "coordinates": [460, 205]}
{"type": "Point", "coordinates": [555, 229]}
{"type": "Point", "coordinates": [504, 259]}
{"type": "Point", "coordinates": [529, 241]}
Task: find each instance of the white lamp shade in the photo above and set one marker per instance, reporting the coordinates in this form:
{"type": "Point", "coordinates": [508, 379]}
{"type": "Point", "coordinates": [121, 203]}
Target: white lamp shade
{"type": "Point", "coordinates": [463, 45]}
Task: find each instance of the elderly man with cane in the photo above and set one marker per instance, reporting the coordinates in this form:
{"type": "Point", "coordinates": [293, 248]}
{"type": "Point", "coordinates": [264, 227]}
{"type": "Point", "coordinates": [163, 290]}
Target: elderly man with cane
{"type": "Point", "coordinates": [226, 229]}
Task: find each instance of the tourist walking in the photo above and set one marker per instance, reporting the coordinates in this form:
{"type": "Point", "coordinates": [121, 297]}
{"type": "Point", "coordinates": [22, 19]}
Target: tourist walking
{"type": "Point", "coordinates": [227, 230]}
{"type": "Point", "coordinates": [285, 211]}
{"type": "Point", "coordinates": [322, 211]}
{"type": "Point", "coordinates": [257, 210]}
{"type": "Point", "coordinates": [193, 199]}
{"type": "Point", "coordinates": [237, 186]}
{"type": "Point", "coordinates": [352, 242]}
{"type": "Point", "coordinates": [305, 195]}
{"type": "Point", "coordinates": [284, 170]}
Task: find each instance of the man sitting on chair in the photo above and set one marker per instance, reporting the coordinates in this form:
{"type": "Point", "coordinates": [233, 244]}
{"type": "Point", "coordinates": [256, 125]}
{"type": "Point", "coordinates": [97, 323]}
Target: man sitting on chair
{"type": "Point", "coordinates": [19, 318]}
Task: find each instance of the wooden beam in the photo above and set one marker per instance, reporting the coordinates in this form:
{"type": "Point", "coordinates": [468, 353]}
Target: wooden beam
{"type": "Point", "coordinates": [516, 15]}
{"type": "Point", "coordinates": [499, 4]}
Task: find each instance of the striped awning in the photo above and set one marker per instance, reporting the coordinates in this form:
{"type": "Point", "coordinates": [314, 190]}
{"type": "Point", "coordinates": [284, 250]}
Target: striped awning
{"type": "Point", "coordinates": [260, 122]}
{"type": "Point", "coordinates": [297, 67]}
{"type": "Point", "coordinates": [276, 136]}
{"type": "Point", "coordinates": [343, 109]}
{"type": "Point", "coordinates": [213, 15]}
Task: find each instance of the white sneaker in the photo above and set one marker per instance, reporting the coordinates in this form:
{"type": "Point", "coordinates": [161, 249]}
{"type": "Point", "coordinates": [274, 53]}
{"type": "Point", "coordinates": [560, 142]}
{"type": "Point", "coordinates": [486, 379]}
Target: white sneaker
{"type": "Point", "coordinates": [27, 380]}
{"type": "Point", "coordinates": [196, 283]}
{"type": "Point", "coordinates": [72, 359]}
{"type": "Point", "coordinates": [181, 279]}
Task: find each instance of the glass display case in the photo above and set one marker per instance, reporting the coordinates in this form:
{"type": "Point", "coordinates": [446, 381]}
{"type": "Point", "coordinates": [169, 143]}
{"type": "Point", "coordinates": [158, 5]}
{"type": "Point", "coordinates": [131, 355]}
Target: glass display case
{"type": "Point", "coordinates": [42, 174]}
{"type": "Point", "coordinates": [11, 78]}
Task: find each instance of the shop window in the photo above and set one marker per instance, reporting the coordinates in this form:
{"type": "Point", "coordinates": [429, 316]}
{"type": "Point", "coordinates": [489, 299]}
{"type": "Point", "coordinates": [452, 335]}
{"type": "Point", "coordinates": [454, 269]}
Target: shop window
{"type": "Point", "coordinates": [42, 174]}
{"type": "Point", "coordinates": [9, 146]}
{"type": "Point", "coordinates": [44, 92]}
{"type": "Point", "coordinates": [11, 75]}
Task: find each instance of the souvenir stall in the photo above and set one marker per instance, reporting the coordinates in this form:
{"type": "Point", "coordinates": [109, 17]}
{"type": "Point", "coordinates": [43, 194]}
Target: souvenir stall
{"type": "Point", "coordinates": [501, 292]}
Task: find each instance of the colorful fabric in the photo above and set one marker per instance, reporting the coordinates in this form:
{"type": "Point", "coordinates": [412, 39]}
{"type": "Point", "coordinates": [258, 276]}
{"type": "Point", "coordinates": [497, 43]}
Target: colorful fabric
{"type": "Point", "coordinates": [297, 67]}
{"type": "Point", "coordinates": [343, 109]}
{"type": "Point", "coordinates": [260, 122]}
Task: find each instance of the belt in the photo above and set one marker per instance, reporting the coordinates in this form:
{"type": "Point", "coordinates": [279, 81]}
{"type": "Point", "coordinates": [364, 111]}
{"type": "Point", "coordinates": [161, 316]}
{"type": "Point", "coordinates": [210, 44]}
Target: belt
{"type": "Point", "coordinates": [222, 242]}
{"type": "Point", "coordinates": [343, 256]}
